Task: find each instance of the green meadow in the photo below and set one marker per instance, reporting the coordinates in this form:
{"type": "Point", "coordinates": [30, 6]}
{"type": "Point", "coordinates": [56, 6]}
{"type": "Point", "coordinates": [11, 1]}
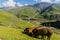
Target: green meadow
{"type": "Point", "coordinates": [12, 25]}
{"type": "Point", "coordinates": [7, 33]}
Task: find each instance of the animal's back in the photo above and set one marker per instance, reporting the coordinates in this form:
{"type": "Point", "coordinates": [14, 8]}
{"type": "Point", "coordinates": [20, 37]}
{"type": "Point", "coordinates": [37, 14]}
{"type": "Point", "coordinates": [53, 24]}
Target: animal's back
{"type": "Point", "coordinates": [47, 31]}
{"type": "Point", "coordinates": [32, 28]}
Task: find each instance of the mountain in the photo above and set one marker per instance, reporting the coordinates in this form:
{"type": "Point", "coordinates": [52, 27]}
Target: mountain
{"type": "Point", "coordinates": [43, 10]}
{"type": "Point", "coordinates": [26, 11]}
{"type": "Point", "coordinates": [48, 10]}
{"type": "Point", "coordinates": [52, 12]}
{"type": "Point", "coordinates": [12, 25]}
{"type": "Point", "coordinates": [42, 6]}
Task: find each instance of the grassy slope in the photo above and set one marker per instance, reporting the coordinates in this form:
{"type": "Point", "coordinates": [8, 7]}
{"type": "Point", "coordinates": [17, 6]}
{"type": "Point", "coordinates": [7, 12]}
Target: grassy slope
{"type": "Point", "coordinates": [7, 33]}
{"type": "Point", "coordinates": [28, 11]}
{"type": "Point", "coordinates": [16, 34]}
{"type": "Point", "coordinates": [9, 20]}
{"type": "Point", "coordinates": [32, 12]}
{"type": "Point", "coordinates": [53, 11]}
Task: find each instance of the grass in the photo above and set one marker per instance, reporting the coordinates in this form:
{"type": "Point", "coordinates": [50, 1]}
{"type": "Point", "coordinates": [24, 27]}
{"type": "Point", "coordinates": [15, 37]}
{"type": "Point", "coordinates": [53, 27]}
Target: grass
{"type": "Point", "coordinates": [55, 37]}
{"type": "Point", "coordinates": [7, 33]}
{"type": "Point", "coordinates": [25, 11]}
{"type": "Point", "coordinates": [11, 20]}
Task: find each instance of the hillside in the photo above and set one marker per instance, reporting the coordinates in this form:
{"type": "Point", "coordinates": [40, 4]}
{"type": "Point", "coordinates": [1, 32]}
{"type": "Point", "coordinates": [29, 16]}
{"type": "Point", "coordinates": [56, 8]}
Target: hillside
{"type": "Point", "coordinates": [10, 20]}
{"type": "Point", "coordinates": [7, 32]}
{"type": "Point", "coordinates": [26, 11]}
{"type": "Point", "coordinates": [37, 12]}
{"type": "Point", "coordinates": [14, 21]}
{"type": "Point", "coordinates": [16, 34]}
{"type": "Point", "coordinates": [51, 12]}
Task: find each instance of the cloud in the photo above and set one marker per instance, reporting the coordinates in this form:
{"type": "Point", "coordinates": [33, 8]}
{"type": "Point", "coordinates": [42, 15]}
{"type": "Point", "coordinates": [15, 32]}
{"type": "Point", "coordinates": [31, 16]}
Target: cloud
{"type": "Point", "coordinates": [49, 1]}
{"type": "Point", "coordinates": [57, 1]}
{"type": "Point", "coordinates": [42, 0]}
{"type": "Point", "coordinates": [45, 0]}
{"type": "Point", "coordinates": [37, 0]}
{"type": "Point", "coordinates": [11, 3]}
{"type": "Point", "coordinates": [19, 4]}
{"type": "Point", "coordinates": [26, 4]}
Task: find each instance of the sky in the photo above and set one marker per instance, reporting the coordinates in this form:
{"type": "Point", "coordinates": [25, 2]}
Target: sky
{"type": "Point", "coordinates": [13, 3]}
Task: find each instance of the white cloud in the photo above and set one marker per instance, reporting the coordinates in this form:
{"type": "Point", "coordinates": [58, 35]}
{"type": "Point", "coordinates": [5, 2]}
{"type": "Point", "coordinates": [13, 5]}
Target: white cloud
{"type": "Point", "coordinates": [50, 1]}
{"type": "Point", "coordinates": [45, 0]}
{"type": "Point", "coordinates": [57, 0]}
{"type": "Point", "coordinates": [11, 3]}
{"type": "Point", "coordinates": [26, 4]}
{"type": "Point", "coordinates": [37, 0]}
{"type": "Point", "coordinates": [42, 0]}
{"type": "Point", "coordinates": [19, 4]}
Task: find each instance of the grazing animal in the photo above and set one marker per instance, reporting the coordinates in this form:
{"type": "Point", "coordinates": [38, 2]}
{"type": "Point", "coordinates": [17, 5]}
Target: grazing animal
{"type": "Point", "coordinates": [35, 31]}
{"type": "Point", "coordinates": [29, 30]}
{"type": "Point", "coordinates": [43, 31]}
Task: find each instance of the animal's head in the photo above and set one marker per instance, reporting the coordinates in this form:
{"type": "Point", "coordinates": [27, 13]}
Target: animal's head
{"type": "Point", "coordinates": [26, 30]}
